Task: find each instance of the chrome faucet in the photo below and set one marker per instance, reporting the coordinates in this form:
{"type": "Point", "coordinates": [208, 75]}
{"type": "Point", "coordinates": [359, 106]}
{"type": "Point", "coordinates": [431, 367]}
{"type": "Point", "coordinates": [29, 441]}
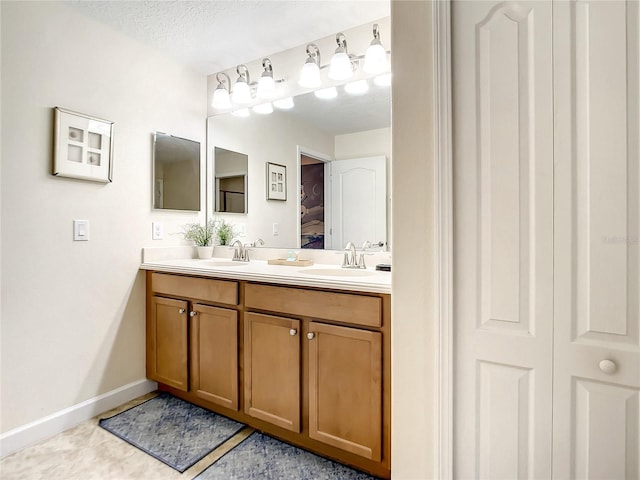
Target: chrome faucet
{"type": "Point", "coordinates": [239, 254]}
{"type": "Point", "coordinates": [361, 262]}
{"type": "Point", "coordinates": [247, 246]}
{"type": "Point", "coordinates": [350, 259]}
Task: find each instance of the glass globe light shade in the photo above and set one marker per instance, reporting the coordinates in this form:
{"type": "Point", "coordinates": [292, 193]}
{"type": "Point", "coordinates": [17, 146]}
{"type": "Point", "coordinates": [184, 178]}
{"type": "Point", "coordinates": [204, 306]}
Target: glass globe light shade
{"type": "Point", "coordinates": [241, 93]}
{"type": "Point", "coordinates": [266, 87]}
{"type": "Point", "coordinates": [221, 98]}
{"type": "Point", "coordinates": [340, 67]}
{"type": "Point", "coordinates": [310, 74]}
{"type": "Point", "coordinates": [375, 58]}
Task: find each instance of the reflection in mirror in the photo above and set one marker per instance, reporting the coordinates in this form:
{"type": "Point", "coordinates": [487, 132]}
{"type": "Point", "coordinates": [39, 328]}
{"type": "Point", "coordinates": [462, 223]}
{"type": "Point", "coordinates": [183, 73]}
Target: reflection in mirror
{"type": "Point", "coordinates": [351, 134]}
{"type": "Point", "coordinates": [230, 181]}
{"type": "Point", "coordinates": [176, 173]}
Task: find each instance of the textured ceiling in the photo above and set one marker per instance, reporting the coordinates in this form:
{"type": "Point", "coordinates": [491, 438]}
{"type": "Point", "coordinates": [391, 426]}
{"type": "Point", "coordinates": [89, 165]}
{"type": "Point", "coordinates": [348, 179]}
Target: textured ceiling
{"type": "Point", "coordinates": [211, 36]}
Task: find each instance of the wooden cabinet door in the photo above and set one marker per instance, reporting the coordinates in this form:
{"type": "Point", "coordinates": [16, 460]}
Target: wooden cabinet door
{"type": "Point", "coordinates": [272, 369]}
{"type": "Point", "coordinates": [345, 388]}
{"type": "Point", "coordinates": [214, 355]}
{"type": "Point", "coordinates": [167, 342]}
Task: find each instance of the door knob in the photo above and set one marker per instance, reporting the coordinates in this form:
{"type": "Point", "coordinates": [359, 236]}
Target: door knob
{"type": "Point", "coordinates": [181, 311]}
{"type": "Point", "coordinates": [310, 335]}
{"type": "Point", "coordinates": [608, 366]}
{"type": "Point", "coordinates": [293, 332]}
{"type": "Point", "coordinates": [193, 314]}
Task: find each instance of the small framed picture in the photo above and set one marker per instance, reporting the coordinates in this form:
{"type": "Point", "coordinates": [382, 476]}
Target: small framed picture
{"type": "Point", "coordinates": [276, 182]}
{"type": "Point", "coordinates": [83, 146]}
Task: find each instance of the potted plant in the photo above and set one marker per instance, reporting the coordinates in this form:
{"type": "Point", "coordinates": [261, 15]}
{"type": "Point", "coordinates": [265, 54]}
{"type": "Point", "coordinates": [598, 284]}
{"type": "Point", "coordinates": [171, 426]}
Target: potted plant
{"type": "Point", "coordinates": [202, 236]}
{"type": "Point", "coordinates": [225, 232]}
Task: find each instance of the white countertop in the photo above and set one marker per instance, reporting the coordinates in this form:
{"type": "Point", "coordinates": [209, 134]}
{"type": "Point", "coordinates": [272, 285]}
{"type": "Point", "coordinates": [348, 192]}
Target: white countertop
{"type": "Point", "coordinates": [333, 277]}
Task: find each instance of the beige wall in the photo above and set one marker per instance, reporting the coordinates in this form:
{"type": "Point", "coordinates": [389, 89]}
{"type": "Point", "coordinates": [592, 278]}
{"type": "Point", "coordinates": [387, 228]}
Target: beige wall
{"type": "Point", "coordinates": [413, 329]}
{"type": "Point", "coordinates": [73, 312]}
{"type": "Point", "coordinates": [369, 143]}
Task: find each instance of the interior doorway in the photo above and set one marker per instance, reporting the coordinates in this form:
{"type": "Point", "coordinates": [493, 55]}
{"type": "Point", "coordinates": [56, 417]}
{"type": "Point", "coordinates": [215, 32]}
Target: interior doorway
{"type": "Point", "coordinates": [313, 218]}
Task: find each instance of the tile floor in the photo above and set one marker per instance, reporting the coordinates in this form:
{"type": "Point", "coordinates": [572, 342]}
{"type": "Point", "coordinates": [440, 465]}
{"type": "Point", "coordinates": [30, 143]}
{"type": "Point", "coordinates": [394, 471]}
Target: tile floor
{"type": "Point", "coordinates": [88, 452]}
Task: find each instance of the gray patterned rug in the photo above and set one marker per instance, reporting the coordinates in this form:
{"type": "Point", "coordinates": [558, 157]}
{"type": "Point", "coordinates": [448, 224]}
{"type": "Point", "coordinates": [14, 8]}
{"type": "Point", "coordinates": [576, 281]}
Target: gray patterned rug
{"type": "Point", "coordinates": [175, 432]}
{"type": "Point", "coordinates": [262, 457]}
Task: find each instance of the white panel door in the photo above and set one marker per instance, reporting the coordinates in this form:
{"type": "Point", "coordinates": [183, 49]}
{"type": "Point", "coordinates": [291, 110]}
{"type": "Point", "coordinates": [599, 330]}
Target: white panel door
{"type": "Point", "coordinates": [358, 201]}
{"type": "Point", "coordinates": [503, 239]}
{"type": "Point", "coordinates": [597, 235]}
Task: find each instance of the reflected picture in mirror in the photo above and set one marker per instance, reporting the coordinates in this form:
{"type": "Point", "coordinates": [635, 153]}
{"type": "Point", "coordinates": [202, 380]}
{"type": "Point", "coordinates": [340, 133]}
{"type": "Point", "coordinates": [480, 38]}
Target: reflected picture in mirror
{"type": "Point", "coordinates": [176, 173]}
{"type": "Point", "coordinates": [230, 181]}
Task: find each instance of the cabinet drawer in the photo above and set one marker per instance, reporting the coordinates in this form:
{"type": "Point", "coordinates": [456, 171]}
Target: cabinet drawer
{"type": "Point", "coordinates": [210, 290]}
{"type": "Point", "coordinates": [340, 307]}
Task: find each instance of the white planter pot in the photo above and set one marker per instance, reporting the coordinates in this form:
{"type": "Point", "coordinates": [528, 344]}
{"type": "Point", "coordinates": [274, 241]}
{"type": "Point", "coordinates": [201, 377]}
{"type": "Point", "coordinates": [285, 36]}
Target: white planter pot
{"type": "Point", "coordinates": [205, 252]}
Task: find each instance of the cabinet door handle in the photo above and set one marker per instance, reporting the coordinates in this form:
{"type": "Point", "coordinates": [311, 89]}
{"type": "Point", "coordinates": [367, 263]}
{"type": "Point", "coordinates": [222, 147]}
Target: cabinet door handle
{"type": "Point", "coordinates": [181, 311]}
{"type": "Point", "coordinates": [310, 335]}
{"type": "Point", "coordinates": [608, 366]}
{"type": "Point", "coordinates": [293, 332]}
{"type": "Point", "coordinates": [193, 314]}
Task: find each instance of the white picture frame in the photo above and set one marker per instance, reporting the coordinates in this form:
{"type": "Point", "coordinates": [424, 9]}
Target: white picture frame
{"type": "Point", "coordinates": [276, 182]}
{"type": "Point", "coordinates": [83, 146]}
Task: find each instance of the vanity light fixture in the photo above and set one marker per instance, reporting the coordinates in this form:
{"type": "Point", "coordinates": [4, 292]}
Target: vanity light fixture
{"type": "Point", "coordinates": [310, 74]}
{"type": "Point", "coordinates": [284, 103]}
{"type": "Point", "coordinates": [263, 108]}
{"type": "Point", "coordinates": [343, 64]}
{"type": "Point", "coordinates": [266, 84]}
{"type": "Point", "coordinates": [241, 90]}
{"type": "Point", "coordinates": [326, 93]}
{"type": "Point", "coordinates": [221, 93]}
{"type": "Point", "coordinates": [341, 67]}
{"type": "Point", "coordinates": [375, 58]}
{"type": "Point", "coordinates": [359, 87]}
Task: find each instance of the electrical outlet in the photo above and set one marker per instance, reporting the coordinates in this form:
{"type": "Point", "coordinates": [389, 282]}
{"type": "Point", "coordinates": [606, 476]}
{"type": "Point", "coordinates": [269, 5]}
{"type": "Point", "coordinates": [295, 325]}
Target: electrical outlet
{"type": "Point", "coordinates": [81, 230]}
{"type": "Point", "coordinates": [158, 230]}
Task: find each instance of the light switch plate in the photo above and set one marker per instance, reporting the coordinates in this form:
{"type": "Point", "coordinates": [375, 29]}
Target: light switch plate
{"type": "Point", "coordinates": [276, 229]}
{"type": "Point", "coordinates": [81, 230]}
{"type": "Point", "coordinates": [158, 230]}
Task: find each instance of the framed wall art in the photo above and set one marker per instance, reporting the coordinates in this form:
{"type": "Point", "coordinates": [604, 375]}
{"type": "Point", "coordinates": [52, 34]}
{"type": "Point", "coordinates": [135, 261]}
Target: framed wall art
{"type": "Point", "coordinates": [276, 182]}
{"type": "Point", "coordinates": [83, 146]}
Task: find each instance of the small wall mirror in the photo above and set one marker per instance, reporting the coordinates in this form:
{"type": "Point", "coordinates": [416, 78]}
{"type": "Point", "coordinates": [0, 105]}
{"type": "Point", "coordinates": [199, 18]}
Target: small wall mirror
{"type": "Point", "coordinates": [176, 173]}
{"type": "Point", "coordinates": [230, 181]}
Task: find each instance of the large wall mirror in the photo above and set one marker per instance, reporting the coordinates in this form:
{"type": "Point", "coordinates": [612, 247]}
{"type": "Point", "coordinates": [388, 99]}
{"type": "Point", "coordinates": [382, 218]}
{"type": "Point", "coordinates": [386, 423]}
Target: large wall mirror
{"type": "Point", "coordinates": [176, 173]}
{"type": "Point", "coordinates": [337, 158]}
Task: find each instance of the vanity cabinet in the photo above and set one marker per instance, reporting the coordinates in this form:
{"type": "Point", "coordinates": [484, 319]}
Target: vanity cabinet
{"type": "Point", "coordinates": [307, 365]}
{"type": "Point", "coordinates": [214, 355]}
{"type": "Point", "coordinates": [345, 388]}
{"type": "Point", "coordinates": [192, 346]}
{"type": "Point", "coordinates": [167, 342]}
{"type": "Point", "coordinates": [272, 369]}
{"type": "Point", "coordinates": [341, 364]}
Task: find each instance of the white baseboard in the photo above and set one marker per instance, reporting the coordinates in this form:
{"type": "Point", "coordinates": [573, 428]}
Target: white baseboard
{"type": "Point", "coordinates": [58, 422]}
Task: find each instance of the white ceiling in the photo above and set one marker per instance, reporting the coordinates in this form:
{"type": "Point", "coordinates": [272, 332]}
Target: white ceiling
{"type": "Point", "coordinates": [213, 35]}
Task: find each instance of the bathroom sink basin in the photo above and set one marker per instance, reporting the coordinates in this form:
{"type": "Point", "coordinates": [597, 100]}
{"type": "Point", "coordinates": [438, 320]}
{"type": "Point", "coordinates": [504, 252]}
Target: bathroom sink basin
{"type": "Point", "coordinates": [337, 272]}
{"type": "Point", "coordinates": [226, 263]}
